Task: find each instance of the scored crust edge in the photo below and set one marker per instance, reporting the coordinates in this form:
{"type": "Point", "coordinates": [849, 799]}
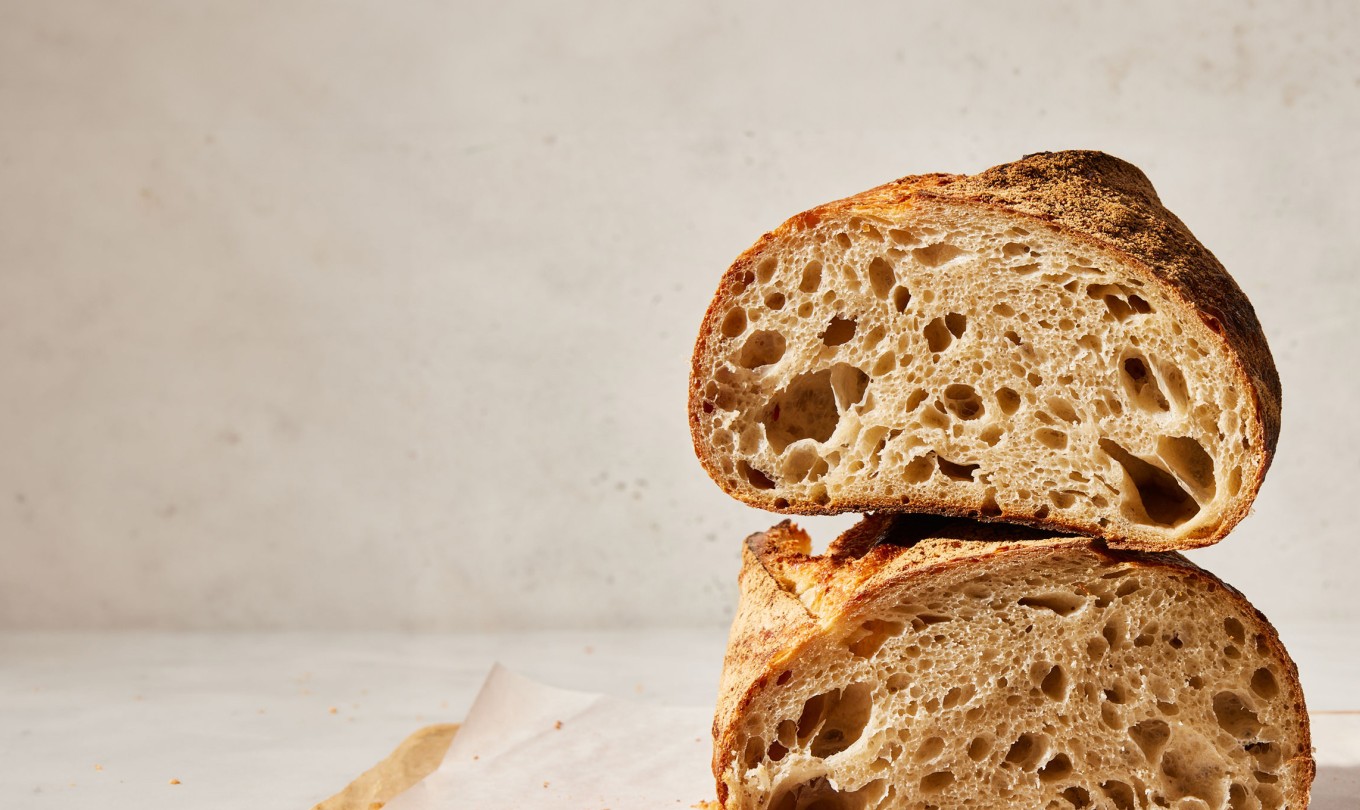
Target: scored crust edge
{"type": "Point", "coordinates": [773, 624]}
{"type": "Point", "coordinates": [1094, 199]}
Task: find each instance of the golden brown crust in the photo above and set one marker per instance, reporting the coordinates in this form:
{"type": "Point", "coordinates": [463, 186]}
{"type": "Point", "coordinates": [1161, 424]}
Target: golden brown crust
{"type": "Point", "coordinates": [789, 597]}
{"type": "Point", "coordinates": [1087, 196]}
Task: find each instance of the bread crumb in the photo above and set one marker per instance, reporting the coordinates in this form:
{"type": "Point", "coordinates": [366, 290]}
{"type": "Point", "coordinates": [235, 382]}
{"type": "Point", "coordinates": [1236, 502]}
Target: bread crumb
{"type": "Point", "coordinates": [377, 805]}
{"type": "Point", "coordinates": [545, 785]}
{"type": "Point", "coordinates": [98, 767]}
{"type": "Point", "coordinates": [174, 781]}
{"type": "Point", "coordinates": [558, 725]}
{"type": "Point", "coordinates": [332, 710]}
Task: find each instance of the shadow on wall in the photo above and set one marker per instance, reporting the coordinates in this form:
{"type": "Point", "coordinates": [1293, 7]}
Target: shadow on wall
{"type": "Point", "coordinates": [1337, 787]}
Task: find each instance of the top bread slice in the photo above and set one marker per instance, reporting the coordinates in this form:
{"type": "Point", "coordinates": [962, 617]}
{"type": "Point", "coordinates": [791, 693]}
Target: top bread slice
{"type": "Point", "coordinates": [1042, 343]}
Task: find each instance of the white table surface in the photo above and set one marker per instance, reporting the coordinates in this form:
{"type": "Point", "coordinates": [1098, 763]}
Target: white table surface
{"type": "Point", "coordinates": [285, 720]}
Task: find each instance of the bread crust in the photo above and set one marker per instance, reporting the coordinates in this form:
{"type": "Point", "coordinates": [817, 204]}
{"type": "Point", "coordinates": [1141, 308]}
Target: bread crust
{"type": "Point", "coordinates": [774, 625]}
{"type": "Point", "coordinates": [1102, 202]}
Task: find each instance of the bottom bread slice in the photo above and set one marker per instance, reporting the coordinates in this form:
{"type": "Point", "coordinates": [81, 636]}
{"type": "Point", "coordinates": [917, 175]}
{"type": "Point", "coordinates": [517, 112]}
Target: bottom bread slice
{"type": "Point", "coordinates": [930, 663]}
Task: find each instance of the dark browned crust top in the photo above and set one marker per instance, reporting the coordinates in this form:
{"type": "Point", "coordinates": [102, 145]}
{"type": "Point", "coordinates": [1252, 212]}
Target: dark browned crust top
{"type": "Point", "coordinates": [773, 625]}
{"type": "Point", "coordinates": [1093, 198]}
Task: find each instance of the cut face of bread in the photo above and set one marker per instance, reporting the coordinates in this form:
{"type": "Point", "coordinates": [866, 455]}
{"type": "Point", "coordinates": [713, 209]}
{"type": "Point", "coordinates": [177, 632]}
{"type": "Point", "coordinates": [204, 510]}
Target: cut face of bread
{"type": "Point", "coordinates": [1042, 343]}
{"type": "Point", "coordinates": [924, 663]}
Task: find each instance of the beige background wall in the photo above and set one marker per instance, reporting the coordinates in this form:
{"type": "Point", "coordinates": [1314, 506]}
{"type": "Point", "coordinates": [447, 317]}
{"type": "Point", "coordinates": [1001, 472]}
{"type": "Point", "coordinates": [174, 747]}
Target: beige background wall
{"type": "Point", "coordinates": [377, 315]}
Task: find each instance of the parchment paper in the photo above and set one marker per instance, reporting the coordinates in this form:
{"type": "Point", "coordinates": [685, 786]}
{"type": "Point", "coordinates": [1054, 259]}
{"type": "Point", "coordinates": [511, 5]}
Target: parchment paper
{"type": "Point", "coordinates": [413, 760]}
{"type": "Point", "coordinates": [525, 745]}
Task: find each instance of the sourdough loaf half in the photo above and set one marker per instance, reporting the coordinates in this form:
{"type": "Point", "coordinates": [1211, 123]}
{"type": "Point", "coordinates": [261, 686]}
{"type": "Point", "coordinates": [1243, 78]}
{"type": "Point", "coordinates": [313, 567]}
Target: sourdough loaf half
{"type": "Point", "coordinates": [1040, 343]}
{"type": "Point", "coordinates": [934, 662]}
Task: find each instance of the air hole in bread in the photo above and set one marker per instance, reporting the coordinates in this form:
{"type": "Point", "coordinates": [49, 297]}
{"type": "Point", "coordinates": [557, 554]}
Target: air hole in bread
{"type": "Point", "coordinates": [1119, 793]}
{"type": "Point", "coordinates": [935, 417]}
{"type": "Point", "coordinates": [936, 782]}
{"type": "Point", "coordinates": [1051, 438]}
{"type": "Point", "coordinates": [1176, 387]}
{"type": "Point", "coordinates": [1191, 464]}
{"type": "Point", "coordinates": [839, 331]}
{"type": "Point", "coordinates": [1028, 751]}
{"type": "Point", "coordinates": [936, 254]}
{"type": "Point", "coordinates": [1156, 497]}
{"type": "Point", "coordinates": [846, 713]}
{"type": "Point", "coordinates": [811, 278]}
{"type": "Point", "coordinates": [765, 270]}
{"type": "Point", "coordinates": [1141, 385]}
{"type": "Point", "coordinates": [990, 508]}
{"type": "Point", "coordinates": [919, 469]}
{"type": "Point", "coordinates": [1059, 767]}
{"type": "Point", "coordinates": [775, 301]}
{"type": "Point", "coordinates": [753, 753]}
{"type": "Point", "coordinates": [1054, 684]}
{"type": "Point", "coordinates": [849, 384]}
{"type": "Point", "coordinates": [1151, 737]}
{"type": "Point", "coordinates": [901, 297]}
{"type": "Point", "coordinates": [1062, 409]}
{"type": "Point", "coordinates": [938, 336]}
{"type": "Point", "coordinates": [979, 748]}
{"type": "Point", "coordinates": [1235, 716]}
{"type": "Point", "coordinates": [1194, 770]}
{"type": "Point", "coordinates": [1115, 633]}
{"type": "Point", "coordinates": [804, 464]}
{"type": "Point", "coordinates": [958, 695]}
{"type": "Point", "coordinates": [1266, 754]}
{"type": "Point", "coordinates": [1234, 629]}
{"type": "Point", "coordinates": [881, 277]}
{"type": "Point", "coordinates": [872, 635]}
{"type": "Point", "coordinates": [755, 477]}
{"type": "Point", "coordinates": [762, 348]}
{"type": "Point", "coordinates": [806, 409]}
{"type": "Point", "coordinates": [820, 794]}
{"type": "Point", "coordinates": [1063, 499]}
{"type": "Point", "coordinates": [1008, 400]}
{"type": "Point", "coordinates": [1263, 683]}
{"type": "Point", "coordinates": [1060, 602]}
{"type": "Point", "coordinates": [956, 323]}
{"type": "Point", "coordinates": [932, 747]}
{"type": "Point", "coordinates": [734, 323]}
{"type": "Point", "coordinates": [1111, 716]}
{"type": "Point", "coordinates": [958, 472]}
{"type": "Point", "coordinates": [963, 402]}
{"type": "Point", "coordinates": [1270, 797]}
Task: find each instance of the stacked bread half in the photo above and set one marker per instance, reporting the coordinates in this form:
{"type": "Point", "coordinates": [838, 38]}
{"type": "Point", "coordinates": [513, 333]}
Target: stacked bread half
{"type": "Point", "coordinates": [1040, 385]}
